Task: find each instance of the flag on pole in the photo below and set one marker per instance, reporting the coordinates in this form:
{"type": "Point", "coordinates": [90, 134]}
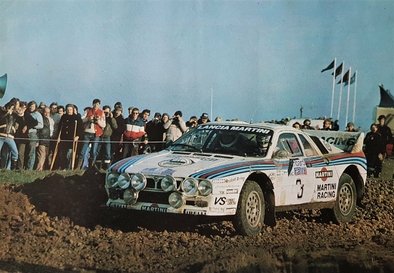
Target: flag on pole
{"type": "Point", "coordinates": [330, 66]}
{"type": "Point", "coordinates": [3, 85]}
{"type": "Point", "coordinates": [345, 78]}
{"type": "Point", "coordinates": [338, 70]}
{"type": "Point", "coordinates": [352, 79]}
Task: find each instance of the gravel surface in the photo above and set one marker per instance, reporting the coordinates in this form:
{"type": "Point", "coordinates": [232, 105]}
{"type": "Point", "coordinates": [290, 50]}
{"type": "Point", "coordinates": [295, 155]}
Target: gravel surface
{"type": "Point", "coordinates": [60, 224]}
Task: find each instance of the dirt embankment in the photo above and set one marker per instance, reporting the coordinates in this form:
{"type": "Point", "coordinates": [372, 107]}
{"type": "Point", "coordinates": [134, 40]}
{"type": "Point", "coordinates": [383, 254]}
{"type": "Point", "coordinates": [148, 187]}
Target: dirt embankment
{"type": "Point", "coordinates": [60, 224]}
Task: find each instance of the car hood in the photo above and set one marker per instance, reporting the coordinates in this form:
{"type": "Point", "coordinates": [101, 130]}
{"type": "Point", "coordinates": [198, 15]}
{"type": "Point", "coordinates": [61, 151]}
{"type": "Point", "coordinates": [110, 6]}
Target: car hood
{"type": "Point", "coordinates": [179, 164]}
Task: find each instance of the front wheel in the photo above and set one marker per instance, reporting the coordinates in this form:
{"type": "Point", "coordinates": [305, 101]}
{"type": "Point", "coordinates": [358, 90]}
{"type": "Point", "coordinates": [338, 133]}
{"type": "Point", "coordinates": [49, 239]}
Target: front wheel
{"type": "Point", "coordinates": [249, 217]}
{"type": "Point", "coordinates": [345, 205]}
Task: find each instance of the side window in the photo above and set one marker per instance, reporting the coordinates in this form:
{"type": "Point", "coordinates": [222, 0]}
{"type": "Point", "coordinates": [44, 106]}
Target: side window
{"type": "Point", "coordinates": [309, 151]}
{"type": "Point", "coordinates": [288, 142]}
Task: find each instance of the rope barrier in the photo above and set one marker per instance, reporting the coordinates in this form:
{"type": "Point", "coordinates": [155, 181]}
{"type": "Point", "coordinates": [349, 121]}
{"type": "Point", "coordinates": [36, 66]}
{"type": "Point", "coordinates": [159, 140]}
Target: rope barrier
{"type": "Point", "coordinates": [89, 141]}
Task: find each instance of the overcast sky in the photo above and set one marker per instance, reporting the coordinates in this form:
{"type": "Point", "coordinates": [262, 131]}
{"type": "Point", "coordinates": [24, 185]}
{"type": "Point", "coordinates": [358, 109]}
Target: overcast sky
{"type": "Point", "coordinates": [259, 60]}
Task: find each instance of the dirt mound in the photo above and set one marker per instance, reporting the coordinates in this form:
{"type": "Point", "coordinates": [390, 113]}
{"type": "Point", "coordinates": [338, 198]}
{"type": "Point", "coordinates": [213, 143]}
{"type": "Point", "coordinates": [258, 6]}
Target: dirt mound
{"type": "Point", "coordinates": [61, 224]}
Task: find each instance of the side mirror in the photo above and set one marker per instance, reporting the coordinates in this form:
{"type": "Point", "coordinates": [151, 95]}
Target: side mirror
{"type": "Point", "coordinates": [169, 143]}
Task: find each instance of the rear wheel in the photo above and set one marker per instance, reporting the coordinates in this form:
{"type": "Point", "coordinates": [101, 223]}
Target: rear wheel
{"type": "Point", "coordinates": [249, 217]}
{"type": "Point", "coordinates": [345, 205]}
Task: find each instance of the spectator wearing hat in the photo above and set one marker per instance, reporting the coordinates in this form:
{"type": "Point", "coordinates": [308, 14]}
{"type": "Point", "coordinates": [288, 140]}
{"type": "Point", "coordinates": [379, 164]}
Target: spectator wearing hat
{"type": "Point", "coordinates": [175, 127]}
{"type": "Point", "coordinates": [203, 119]}
{"type": "Point", "coordinates": [350, 127]}
{"type": "Point", "coordinates": [41, 107]}
{"type": "Point", "coordinates": [154, 129]}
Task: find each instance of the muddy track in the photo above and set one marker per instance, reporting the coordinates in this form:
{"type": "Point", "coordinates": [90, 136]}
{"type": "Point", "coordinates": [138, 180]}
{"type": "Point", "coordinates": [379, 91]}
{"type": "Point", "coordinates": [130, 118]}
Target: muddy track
{"type": "Point", "coordinates": [60, 224]}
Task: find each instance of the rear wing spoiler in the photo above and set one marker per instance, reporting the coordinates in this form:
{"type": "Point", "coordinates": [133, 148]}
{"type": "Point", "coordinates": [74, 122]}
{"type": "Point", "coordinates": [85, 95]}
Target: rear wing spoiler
{"type": "Point", "coordinates": [351, 142]}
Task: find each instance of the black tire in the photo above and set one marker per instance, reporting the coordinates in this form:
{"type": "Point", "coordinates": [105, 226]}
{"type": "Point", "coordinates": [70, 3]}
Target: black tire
{"type": "Point", "coordinates": [249, 218]}
{"type": "Point", "coordinates": [345, 205]}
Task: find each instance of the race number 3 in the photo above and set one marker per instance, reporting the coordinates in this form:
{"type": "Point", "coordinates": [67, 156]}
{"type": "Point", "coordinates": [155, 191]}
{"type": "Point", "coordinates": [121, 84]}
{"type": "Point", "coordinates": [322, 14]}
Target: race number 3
{"type": "Point", "coordinates": [301, 190]}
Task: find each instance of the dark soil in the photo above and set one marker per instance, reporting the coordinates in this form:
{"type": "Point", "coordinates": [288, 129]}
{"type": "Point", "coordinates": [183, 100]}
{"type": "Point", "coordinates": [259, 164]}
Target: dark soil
{"type": "Point", "coordinates": [61, 224]}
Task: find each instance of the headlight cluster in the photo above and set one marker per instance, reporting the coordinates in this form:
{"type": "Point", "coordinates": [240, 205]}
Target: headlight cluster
{"type": "Point", "coordinates": [133, 184]}
{"type": "Point", "coordinates": [191, 186]}
{"type": "Point", "coordinates": [124, 181]}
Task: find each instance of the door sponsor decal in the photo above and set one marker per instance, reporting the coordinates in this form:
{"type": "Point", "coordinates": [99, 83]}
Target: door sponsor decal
{"type": "Point", "coordinates": [297, 167]}
{"type": "Point", "coordinates": [323, 174]}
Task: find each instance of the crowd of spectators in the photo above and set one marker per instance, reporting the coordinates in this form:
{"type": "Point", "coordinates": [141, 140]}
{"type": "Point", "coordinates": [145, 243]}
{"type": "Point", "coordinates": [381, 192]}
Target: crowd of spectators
{"type": "Point", "coordinates": [41, 137]}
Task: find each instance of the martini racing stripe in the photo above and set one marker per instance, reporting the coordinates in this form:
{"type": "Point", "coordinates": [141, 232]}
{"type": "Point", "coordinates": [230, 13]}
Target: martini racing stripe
{"type": "Point", "coordinates": [226, 170]}
{"type": "Point", "coordinates": [124, 164]}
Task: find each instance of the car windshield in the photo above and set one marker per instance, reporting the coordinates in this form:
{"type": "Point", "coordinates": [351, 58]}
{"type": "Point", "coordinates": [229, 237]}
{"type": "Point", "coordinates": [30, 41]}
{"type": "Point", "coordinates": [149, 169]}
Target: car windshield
{"type": "Point", "coordinates": [243, 140]}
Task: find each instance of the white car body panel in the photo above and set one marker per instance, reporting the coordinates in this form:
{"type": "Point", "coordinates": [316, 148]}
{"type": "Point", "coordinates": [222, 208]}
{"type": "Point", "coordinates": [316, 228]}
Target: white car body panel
{"type": "Point", "coordinates": [296, 180]}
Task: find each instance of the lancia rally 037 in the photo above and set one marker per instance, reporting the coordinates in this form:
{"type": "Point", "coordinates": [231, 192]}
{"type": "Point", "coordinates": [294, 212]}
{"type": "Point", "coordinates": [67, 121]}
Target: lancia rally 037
{"type": "Point", "coordinates": [249, 171]}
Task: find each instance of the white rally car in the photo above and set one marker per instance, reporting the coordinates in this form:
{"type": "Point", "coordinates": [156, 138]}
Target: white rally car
{"type": "Point", "coordinates": [249, 171]}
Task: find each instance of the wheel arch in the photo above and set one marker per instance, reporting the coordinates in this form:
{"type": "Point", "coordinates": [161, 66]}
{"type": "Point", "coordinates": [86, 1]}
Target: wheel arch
{"type": "Point", "coordinates": [267, 187]}
{"type": "Point", "coordinates": [354, 173]}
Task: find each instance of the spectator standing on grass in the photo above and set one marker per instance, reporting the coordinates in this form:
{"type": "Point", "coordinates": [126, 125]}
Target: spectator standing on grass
{"type": "Point", "coordinates": [45, 134]}
{"type": "Point", "coordinates": [133, 133]}
{"type": "Point", "coordinates": [25, 121]}
{"type": "Point", "coordinates": [110, 127]}
{"type": "Point", "coordinates": [117, 133]}
{"type": "Point", "coordinates": [94, 123]}
{"type": "Point", "coordinates": [8, 127]}
{"type": "Point", "coordinates": [154, 129]}
{"type": "Point", "coordinates": [384, 131]}
{"type": "Point", "coordinates": [67, 124]}
{"type": "Point", "coordinates": [56, 119]}
{"type": "Point", "coordinates": [33, 134]}
{"type": "Point", "coordinates": [374, 150]}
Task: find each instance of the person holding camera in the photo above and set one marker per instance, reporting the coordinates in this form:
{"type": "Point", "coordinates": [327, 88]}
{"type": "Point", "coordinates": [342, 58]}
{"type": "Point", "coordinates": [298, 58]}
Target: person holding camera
{"type": "Point", "coordinates": [175, 127]}
{"type": "Point", "coordinates": [192, 123]}
{"type": "Point", "coordinates": [154, 129]}
{"type": "Point", "coordinates": [94, 123]}
{"type": "Point", "coordinates": [110, 126]}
